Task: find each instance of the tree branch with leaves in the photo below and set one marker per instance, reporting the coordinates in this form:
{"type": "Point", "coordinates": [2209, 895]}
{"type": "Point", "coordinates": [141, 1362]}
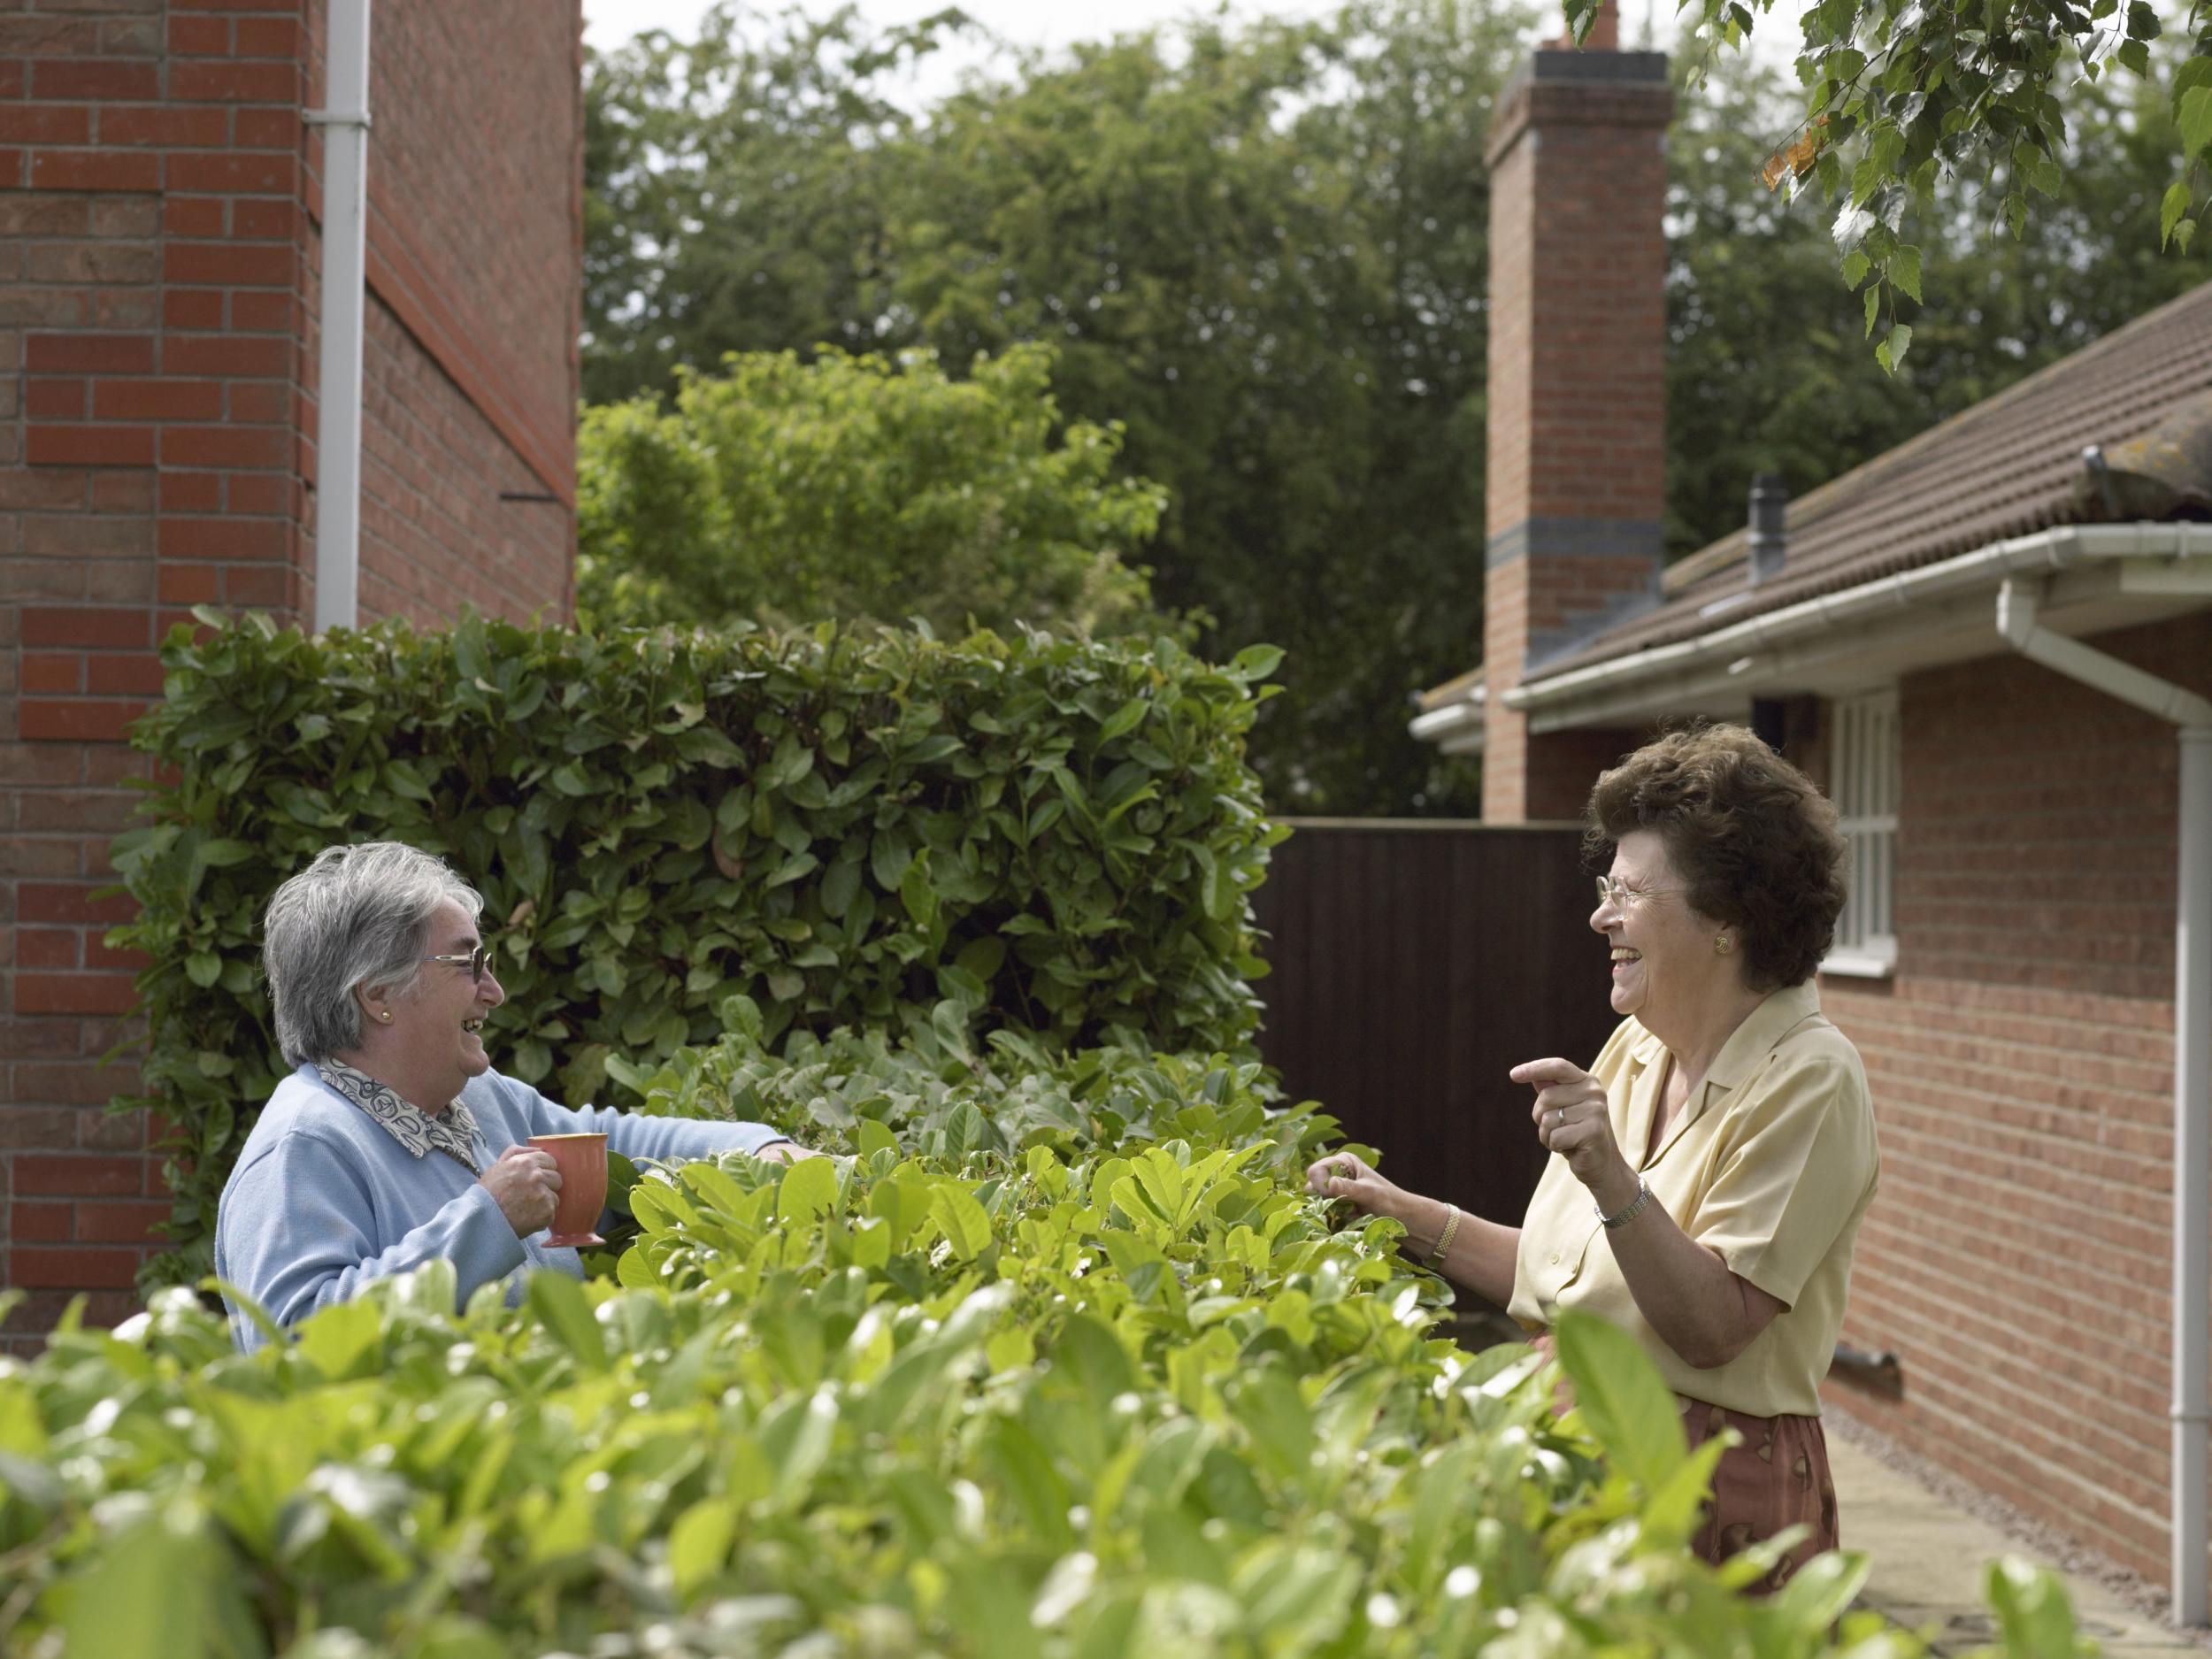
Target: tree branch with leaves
{"type": "Point", "coordinates": [1901, 94]}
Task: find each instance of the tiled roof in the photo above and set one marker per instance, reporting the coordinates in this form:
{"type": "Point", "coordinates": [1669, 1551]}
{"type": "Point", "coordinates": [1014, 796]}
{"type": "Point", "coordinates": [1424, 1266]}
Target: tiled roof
{"type": "Point", "coordinates": [2006, 467]}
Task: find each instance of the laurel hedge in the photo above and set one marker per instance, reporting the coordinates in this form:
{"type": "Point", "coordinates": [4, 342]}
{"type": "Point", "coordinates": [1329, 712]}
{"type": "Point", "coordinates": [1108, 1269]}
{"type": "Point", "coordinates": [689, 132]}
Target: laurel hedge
{"type": "Point", "coordinates": [1061, 1362]}
{"type": "Point", "coordinates": [1049, 837]}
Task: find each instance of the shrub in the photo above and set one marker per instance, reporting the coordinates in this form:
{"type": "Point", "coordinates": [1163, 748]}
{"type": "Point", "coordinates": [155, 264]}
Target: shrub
{"type": "Point", "coordinates": [1058, 1396]}
{"type": "Point", "coordinates": [856, 487]}
{"type": "Point", "coordinates": [1049, 837]}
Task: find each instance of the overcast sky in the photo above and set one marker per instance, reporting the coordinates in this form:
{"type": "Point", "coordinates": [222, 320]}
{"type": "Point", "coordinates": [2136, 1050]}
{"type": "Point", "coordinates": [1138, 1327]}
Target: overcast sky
{"type": "Point", "coordinates": [1031, 22]}
{"type": "Point", "coordinates": [1054, 24]}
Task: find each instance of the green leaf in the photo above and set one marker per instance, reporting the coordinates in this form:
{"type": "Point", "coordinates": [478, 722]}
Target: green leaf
{"type": "Point", "coordinates": [916, 894]}
{"type": "Point", "coordinates": [982, 957]}
{"type": "Point", "coordinates": [163, 1589]}
{"type": "Point", "coordinates": [1256, 661]}
{"type": "Point", "coordinates": [2172, 209]}
{"type": "Point", "coordinates": [559, 1305]}
{"type": "Point", "coordinates": [870, 1242]}
{"type": "Point", "coordinates": [1124, 719]}
{"type": "Point", "coordinates": [1820, 1592]}
{"type": "Point", "coordinates": [343, 1340]}
{"type": "Point", "coordinates": [1904, 271]}
{"type": "Point", "coordinates": [961, 1220]}
{"type": "Point", "coordinates": [1892, 351]}
{"type": "Point", "coordinates": [1631, 1410]}
{"type": "Point", "coordinates": [797, 1438]}
{"type": "Point", "coordinates": [2192, 114]}
{"type": "Point", "coordinates": [2033, 1612]}
{"type": "Point", "coordinates": [888, 855]}
{"type": "Point", "coordinates": [699, 1544]}
{"type": "Point", "coordinates": [1674, 1510]}
{"type": "Point", "coordinates": [1856, 266]}
{"type": "Point", "coordinates": [840, 882]}
{"type": "Point", "coordinates": [808, 1191]}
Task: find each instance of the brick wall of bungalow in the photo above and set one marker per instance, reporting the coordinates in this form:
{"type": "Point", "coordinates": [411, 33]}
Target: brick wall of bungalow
{"type": "Point", "coordinates": [2018, 1257]}
{"type": "Point", "coordinates": [159, 260]}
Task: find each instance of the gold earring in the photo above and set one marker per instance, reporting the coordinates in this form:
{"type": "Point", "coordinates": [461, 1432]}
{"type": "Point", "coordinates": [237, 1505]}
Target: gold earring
{"type": "Point", "coordinates": [1722, 945]}
{"type": "Point", "coordinates": [384, 1014]}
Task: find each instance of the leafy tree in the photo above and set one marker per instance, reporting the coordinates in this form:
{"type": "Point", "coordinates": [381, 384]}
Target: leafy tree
{"type": "Point", "coordinates": [856, 487]}
{"type": "Point", "coordinates": [1262, 247]}
{"type": "Point", "coordinates": [1903, 96]}
{"type": "Point", "coordinates": [1767, 369]}
{"type": "Point", "coordinates": [734, 198]}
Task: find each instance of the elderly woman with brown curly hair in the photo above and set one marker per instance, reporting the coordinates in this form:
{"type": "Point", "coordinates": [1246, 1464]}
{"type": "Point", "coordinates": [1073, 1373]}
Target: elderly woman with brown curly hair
{"type": "Point", "coordinates": [1710, 1169]}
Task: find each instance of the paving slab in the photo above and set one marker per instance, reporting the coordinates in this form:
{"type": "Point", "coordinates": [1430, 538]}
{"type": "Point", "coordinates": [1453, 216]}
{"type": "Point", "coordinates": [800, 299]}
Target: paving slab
{"type": "Point", "coordinates": [1927, 1559]}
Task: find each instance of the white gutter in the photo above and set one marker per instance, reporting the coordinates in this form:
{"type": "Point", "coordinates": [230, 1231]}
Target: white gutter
{"type": "Point", "coordinates": [2192, 1410]}
{"type": "Point", "coordinates": [345, 125]}
{"type": "Point", "coordinates": [1456, 727]}
{"type": "Point", "coordinates": [2046, 550]}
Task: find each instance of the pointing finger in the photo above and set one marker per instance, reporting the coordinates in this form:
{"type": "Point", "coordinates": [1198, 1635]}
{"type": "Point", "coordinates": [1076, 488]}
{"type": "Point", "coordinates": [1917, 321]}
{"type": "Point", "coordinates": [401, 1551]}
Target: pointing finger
{"type": "Point", "coordinates": [1547, 1072]}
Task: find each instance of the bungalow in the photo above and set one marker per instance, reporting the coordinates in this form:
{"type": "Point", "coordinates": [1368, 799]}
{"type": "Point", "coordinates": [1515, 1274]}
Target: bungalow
{"type": "Point", "coordinates": [1993, 647]}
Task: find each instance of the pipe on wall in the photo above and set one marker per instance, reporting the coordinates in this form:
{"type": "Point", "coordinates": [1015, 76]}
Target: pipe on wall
{"type": "Point", "coordinates": [2191, 1409]}
{"type": "Point", "coordinates": [345, 123]}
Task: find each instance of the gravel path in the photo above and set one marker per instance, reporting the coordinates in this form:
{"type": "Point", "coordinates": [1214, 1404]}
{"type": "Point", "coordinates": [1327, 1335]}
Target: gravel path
{"type": "Point", "coordinates": [2149, 1601]}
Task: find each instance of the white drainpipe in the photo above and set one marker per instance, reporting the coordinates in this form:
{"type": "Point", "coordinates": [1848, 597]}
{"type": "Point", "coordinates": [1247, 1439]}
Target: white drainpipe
{"type": "Point", "coordinates": [2191, 1409]}
{"type": "Point", "coordinates": [345, 125]}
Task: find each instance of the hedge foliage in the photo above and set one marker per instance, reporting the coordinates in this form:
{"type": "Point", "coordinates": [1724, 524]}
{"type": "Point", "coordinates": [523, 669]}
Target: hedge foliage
{"type": "Point", "coordinates": [1053, 838]}
{"type": "Point", "coordinates": [1067, 1365]}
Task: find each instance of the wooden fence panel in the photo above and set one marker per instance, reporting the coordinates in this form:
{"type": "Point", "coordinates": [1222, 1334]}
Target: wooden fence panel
{"type": "Point", "coordinates": [1413, 965]}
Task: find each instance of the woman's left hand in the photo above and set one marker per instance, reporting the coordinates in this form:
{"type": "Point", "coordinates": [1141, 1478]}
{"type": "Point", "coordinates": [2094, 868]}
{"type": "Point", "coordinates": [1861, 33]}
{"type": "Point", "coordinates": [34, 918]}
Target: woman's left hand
{"type": "Point", "coordinates": [1572, 1119]}
{"type": "Point", "coordinates": [784, 1152]}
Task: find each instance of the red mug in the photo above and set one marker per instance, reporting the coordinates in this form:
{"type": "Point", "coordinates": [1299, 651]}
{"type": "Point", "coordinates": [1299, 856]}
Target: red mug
{"type": "Point", "coordinates": [582, 1161]}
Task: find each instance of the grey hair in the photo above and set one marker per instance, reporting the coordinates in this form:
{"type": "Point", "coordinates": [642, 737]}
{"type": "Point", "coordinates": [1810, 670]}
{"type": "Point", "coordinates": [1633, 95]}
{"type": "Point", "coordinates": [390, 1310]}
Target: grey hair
{"type": "Point", "coordinates": [356, 917]}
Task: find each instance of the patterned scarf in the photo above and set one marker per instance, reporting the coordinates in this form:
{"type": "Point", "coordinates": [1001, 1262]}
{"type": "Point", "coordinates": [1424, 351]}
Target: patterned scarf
{"type": "Point", "coordinates": [452, 1131]}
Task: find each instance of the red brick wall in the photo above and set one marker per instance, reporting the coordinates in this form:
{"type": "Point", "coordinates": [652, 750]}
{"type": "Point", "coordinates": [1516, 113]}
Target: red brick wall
{"type": "Point", "coordinates": [2017, 1258]}
{"type": "Point", "coordinates": [1574, 487]}
{"type": "Point", "coordinates": [471, 361]}
{"type": "Point", "coordinates": [159, 278]}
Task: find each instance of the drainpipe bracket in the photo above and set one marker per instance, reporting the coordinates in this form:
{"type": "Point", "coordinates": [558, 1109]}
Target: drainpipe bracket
{"type": "Point", "coordinates": [337, 117]}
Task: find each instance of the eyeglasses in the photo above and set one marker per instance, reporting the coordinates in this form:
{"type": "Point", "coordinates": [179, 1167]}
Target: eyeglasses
{"type": "Point", "coordinates": [1621, 897]}
{"type": "Point", "coordinates": [475, 962]}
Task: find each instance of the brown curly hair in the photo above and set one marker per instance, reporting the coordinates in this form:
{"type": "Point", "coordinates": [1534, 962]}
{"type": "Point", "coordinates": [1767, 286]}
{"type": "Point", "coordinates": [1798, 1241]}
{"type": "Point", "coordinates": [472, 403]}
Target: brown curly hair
{"type": "Point", "coordinates": [1755, 840]}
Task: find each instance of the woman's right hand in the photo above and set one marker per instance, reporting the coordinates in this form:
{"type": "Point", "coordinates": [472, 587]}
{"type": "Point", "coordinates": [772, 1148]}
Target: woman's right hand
{"type": "Point", "coordinates": [526, 1183]}
{"type": "Point", "coordinates": [1343, 1175]}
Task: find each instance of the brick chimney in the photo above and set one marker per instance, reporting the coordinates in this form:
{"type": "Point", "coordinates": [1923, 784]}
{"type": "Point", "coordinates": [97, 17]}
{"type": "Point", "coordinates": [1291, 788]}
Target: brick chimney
{"type": "Point", "coordinates": [1578, 398]}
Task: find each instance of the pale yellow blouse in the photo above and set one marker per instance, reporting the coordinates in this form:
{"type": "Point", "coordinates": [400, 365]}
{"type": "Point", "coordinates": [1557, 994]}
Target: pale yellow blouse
{"type": "Point", "coordinates": [1771, 1161]}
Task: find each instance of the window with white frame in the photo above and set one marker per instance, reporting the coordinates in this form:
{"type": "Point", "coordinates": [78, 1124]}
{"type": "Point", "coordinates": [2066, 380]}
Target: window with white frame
{"type": "Point", "coordinates": [1863, 776]}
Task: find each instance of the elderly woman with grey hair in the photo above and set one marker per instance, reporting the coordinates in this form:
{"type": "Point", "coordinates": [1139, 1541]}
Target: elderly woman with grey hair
{"type": "Point", "coordinates": [394, 1142]}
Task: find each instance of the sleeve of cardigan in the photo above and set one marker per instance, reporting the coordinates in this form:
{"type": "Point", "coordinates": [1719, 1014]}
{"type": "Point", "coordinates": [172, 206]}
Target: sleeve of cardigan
{"type": "Point", "coordinates": [668, 1140]}
{"type": "Point", "coordinates": [297, 1235]}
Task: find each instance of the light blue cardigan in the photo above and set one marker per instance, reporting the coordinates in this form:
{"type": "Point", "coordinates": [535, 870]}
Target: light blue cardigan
{"type": "Point", "coordinates": [323, 1198]}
